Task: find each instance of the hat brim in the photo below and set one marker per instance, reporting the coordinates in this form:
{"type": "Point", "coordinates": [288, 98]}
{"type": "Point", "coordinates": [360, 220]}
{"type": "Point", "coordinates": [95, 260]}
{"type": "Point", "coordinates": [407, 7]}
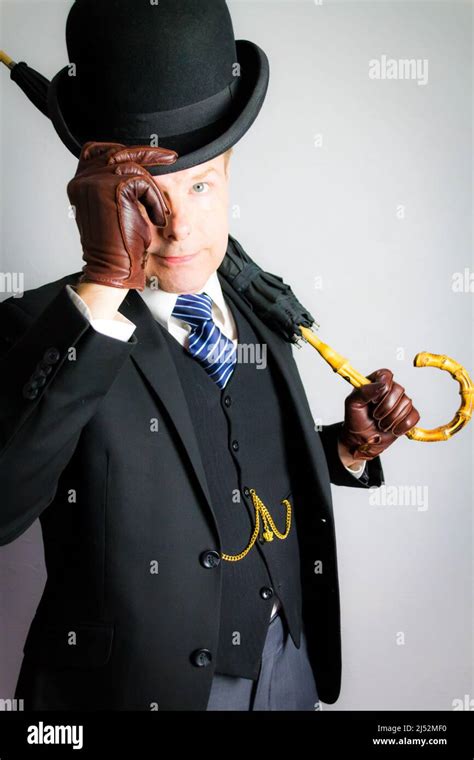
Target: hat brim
{"type": "Point", "coordinates": [252, 94]}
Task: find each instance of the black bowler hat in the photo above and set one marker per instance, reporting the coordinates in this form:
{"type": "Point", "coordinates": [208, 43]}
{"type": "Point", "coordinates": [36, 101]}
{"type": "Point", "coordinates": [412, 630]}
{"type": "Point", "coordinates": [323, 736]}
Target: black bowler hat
{"type": "Point", "coordinates": [157, 72]}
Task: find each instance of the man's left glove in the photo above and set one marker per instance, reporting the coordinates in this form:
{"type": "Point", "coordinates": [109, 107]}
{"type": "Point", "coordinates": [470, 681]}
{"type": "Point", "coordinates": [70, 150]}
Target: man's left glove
{"type": "Point", "coordinates": [376, 415]}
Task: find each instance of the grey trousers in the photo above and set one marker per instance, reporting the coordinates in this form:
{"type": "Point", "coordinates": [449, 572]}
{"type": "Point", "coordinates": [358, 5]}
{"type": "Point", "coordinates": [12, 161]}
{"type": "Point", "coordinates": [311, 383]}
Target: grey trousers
{"type": "Point", "coordinates": [285, 681]}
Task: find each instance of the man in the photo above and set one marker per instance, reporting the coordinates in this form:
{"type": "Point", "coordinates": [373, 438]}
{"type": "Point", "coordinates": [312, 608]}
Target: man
{"type": "Point", "coordinates": [184, 495]}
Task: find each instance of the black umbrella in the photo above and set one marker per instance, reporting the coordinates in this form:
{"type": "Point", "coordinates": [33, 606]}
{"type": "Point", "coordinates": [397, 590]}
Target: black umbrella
{"type": "Point", "coordinates": [34, 85]}
{"type": "Point", "coordinates": [276, 304]}
{"type": "Point", "coordinates": [271, 298]}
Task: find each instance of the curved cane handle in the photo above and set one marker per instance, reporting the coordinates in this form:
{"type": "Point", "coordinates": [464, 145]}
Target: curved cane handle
{"type": "Point", "coordinates": [466, 391]}
{"type": "Point", "coordinates": [423, 359]}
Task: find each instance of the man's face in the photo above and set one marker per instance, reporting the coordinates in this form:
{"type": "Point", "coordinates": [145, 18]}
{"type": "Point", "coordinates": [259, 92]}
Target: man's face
{"type": "Point", "coordinates": [192, 245]}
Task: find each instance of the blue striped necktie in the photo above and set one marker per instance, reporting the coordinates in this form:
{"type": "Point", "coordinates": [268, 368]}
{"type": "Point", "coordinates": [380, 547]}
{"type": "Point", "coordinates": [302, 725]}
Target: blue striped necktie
{"type": "Point", "coordinates": [206, 343]}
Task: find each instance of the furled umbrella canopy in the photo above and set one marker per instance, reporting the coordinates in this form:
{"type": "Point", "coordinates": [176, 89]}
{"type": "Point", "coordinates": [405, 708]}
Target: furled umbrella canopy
{"type": "Point", "coordinates": [34, 85]}
{"type": "Point", "coordinates": [271, 298]}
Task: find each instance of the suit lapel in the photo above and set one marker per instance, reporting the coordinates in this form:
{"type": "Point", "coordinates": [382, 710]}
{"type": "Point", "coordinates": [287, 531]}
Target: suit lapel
{"type": "Point", "coordinates": [153, 358]}
{"type": "Point", "coordinates": [277, 347]}
{"type": "Point", "coordinates": [268, 336]}
{"type": "Point", "coordinates": [287, 368]}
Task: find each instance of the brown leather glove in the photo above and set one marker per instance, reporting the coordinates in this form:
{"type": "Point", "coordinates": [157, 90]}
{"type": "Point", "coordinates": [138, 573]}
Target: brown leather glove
{"type": "Point", "coordinates": [376, 415]}
{"type": "Point", "coordinates": [109, 180]}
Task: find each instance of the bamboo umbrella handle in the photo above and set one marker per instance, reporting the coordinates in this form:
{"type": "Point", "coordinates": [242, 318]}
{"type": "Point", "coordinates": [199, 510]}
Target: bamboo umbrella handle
{"type": "Point", "coordinates": [342, 367]}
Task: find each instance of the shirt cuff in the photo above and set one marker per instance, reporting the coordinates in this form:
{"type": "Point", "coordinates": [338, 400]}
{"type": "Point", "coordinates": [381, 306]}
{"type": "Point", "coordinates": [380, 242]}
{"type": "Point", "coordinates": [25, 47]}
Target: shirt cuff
{"type": "Point", "coordinates": [357, 473]}
{"type": "Point", "coordinates": [113, 328]}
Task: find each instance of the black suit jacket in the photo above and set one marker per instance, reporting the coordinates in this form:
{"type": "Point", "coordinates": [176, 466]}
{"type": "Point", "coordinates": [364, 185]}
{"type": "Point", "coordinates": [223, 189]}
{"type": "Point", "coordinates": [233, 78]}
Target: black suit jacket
{"type": "Point", "coordinates": [96, 441]}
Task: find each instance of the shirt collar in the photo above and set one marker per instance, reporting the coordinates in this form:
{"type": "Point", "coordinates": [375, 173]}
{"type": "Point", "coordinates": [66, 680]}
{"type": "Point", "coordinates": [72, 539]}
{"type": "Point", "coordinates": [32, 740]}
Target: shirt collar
{"type": "Point", "coordinates": [161, 303]}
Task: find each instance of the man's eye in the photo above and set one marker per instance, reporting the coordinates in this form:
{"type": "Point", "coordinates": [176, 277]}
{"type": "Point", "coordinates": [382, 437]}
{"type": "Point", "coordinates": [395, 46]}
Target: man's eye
{"type": "Point", "coordinates": [200, 187]}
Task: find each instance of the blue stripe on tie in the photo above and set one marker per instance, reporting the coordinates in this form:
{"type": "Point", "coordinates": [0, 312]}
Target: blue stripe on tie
{"type": "Point", "coordinates": [206, 339]}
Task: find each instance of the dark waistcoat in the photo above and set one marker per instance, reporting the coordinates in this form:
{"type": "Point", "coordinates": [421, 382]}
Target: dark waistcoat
{"type": "Point", "coordinates": [243, 435]}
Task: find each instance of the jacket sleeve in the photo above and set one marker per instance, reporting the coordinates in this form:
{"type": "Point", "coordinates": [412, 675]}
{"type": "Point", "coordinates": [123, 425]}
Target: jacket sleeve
{"type": "Point", "coordinates": [372, 476]}
{"type": "Point", "coordinates": [54, 371]}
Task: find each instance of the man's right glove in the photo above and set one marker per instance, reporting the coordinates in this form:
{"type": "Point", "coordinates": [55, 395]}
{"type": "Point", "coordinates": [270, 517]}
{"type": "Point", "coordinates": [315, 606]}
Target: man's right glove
{"type": "Point", "coordinates": [376, 415]}
{"type": "Point", "coordinates": [115, 238]}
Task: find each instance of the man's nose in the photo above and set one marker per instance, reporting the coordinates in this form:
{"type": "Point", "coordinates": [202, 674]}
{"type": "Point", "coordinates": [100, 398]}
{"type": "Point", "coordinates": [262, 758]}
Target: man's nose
{"type": "Point", "coordinates": [178, 225]}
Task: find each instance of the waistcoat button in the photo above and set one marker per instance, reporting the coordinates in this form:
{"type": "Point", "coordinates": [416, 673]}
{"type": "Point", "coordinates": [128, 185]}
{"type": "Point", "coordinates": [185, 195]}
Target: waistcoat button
{"type": "Point", "coordinates": [266, 592]}
{"type": "Point", "coordinates": [210, 558]}
{"type": "Point", "coordinates": [201, 658]}
{"type": "Point", "coordinates": [247, 491]}
{"type": "Point", "coordinates": [227, 400]}
{"type": "Point", "coordinates": [235, 445]}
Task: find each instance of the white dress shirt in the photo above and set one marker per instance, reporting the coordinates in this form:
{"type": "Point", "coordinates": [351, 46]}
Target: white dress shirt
{"type": "Point", "coordinates": [161, 304]}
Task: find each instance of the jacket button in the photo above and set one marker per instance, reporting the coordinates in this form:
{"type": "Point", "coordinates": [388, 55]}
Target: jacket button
{"type": "Point", "coordinates": [39, 379]}
{"type": "Point", "coordinates": [51, 356]}
{"type": "Point", "coordinates": [235, 445]}
{"type": "Point", "coordinates": [30, 391]}
{"type": "Point", "coordinates": [266, 592]}
{"type": "Point", "coordinates": [45, 368]}
{"type": "Point", "coordinates": [201, 658]}
{"type": "Point", "coordinates": [227, 400]}
{"type": "Point", "coordinates": [210, 558]}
